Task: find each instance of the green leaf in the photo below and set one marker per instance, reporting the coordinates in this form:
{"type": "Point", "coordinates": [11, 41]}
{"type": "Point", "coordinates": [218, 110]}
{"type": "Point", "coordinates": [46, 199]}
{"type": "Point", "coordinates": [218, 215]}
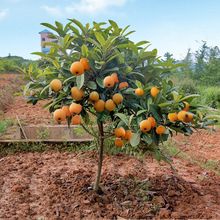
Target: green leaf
{"type": "Point", "coordinates": [141, 43]}
{"type": "Point", "coordinates": [135, 139]}
{"type": "Point", "coordinates": [84, 50]}
{"type": "Point", "coordinates": [156, 138]}
{"type": "Point", "coordinates": [113, 57]}
{"type": "Point", "coordinates": [139, 84]}
{"type": "Point", "coordinates": [79, 25]}
{"type": "Point", "coordinates": [93, 42]}
{"type": "Point", "coordinates": [157, 155]}
{"type": "Point", "coordinates": [92, 85]}
{"type": "Point", "coordinates": [165, 104]}
{"type": "Point", "coordinates": [123, 117]}
{"type": "Point", "coordinates": [130, 119]}
{"type": "Point", "coordinates": [56, 64]}
{"type": "Point", "coordinates": [141, 111]}
{"type": "Point", "coordinates": [212, 122]}
{"type": "Point", "coordinates": [49, 26]}
{"type": "Point", "coordinates": [211, 117]}
{"type": "Point", "coordinates": [44, 89]}
{"type": "Point", "coordinates": [40, 54]}
{"type": "Point", "coordinates": [30, 68]}
{"type": "Point", "coordinates": [66, 80]}
{"type": "Point", "coordinates": [100, 38]}
{"type": "Point", "coordinates": [210, 129]}
{"type": "Point", "coordinates": [129, 33]}
{"type": "Point", "coordinates": [27, 87]}
{"type": "Point", "coordinates": [128, 69]}
{"type": "Point", "coordinates": [176, 97]}
{"type": "Point", "coordinates": [51, 44]}
{"type": "Point", "coordinates": [18, 93]}
{"type": "Point", "coordinates": [113, 24]}
{"type": "Point", "coordinates": [189, 96]}
{"type": "Point", "coordinates": [74, 30]}
{"type": "Point", "coordinates": [125, 29]}
{"type": "Point", "coordinates": [114, 69]}
{"type": "Point", "coordinates": [87, 27]}
{"type": "Point", "coordinates": [100, 82]}
{"type": "Point", "coordinates": [158, 97]}
{"type": "Point", "coordinates": [59, 25]}
{"type": "Point", "coordinates": [80, 81]}
{"type": "Point", "coordinates": [45, 73]}
{"type": "Point", "coordinates": [66, 39]}
{"type": "Point", "coordinates": [147, 138]}
{"type": "Point", "coordinates": [31, 98]}
{"type": "Point", "coordinates": [155, 110]}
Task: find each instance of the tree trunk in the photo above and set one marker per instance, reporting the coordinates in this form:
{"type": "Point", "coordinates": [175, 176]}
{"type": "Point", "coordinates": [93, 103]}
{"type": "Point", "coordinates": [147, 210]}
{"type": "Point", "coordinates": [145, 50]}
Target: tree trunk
{"type": "Point", "coordinates": [101, 142]}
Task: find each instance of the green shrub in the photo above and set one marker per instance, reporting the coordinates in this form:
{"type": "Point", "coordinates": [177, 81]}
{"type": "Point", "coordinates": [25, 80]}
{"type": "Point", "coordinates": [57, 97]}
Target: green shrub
{"type": "Point", "coordinates": [210, 96]}
{"type": "Point", "coordinates": [4, 124]}
{"type": "Point", "coordinates": [185, 83]}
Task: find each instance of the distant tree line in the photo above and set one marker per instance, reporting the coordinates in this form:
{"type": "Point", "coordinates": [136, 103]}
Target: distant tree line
{"type": "Point", "coordinates": [8, 64]}
{"type": "Point", "coordinates": [203, 66]}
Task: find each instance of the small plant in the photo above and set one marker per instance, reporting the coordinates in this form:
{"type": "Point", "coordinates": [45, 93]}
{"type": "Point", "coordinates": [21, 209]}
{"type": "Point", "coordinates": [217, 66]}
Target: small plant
{"type": "Point", "coordinates": [4, 124]}
{"type": "Point", "coordinates": [111, 86]}
{"type": "Point", "coordinates": [43, 133]}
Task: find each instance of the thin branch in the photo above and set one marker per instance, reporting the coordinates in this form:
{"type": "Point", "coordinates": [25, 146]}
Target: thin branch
{"type": "Point", "coordinates": [89, 131]}
{"type": "Point", "coordinates": [107, 136]}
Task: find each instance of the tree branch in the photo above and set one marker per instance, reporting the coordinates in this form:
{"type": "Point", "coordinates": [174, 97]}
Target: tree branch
{"type": "Point", "coordinates": [88, 131]}
{"type": "Point", "coordinates": [107, 136]}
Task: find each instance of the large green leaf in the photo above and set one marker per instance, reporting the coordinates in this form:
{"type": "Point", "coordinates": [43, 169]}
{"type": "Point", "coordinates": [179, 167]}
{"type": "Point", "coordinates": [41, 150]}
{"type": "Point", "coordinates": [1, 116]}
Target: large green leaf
{"type": "Point", "coordinates": [27, 87]}
{"type": "Point", "coordinates": [189, 97]}
{"type": "Point", "coordinates": [100, 82]}
{"type": "Point", "coordinates": [92, 85]}
{"type": "Point", "coordinates": [49, 26]}
{"type": "Point", "coordinates": [135, 139]}
{"type": "Point", "coordinates": [155, 110]}
{"type": "Point", "coordinates": [66, 39]}
{"type": "Point", "coordinates": [123, 117]}
{"type": "Point", "coordinates": [79, 25]}
{"type": "Point", "coordinates": [84, 50]}
{"type": "Point", "coordinates": [100, 38]}
{"type": "Point", "coordinates": [147, 138]}
{"type": "Point", "coordinates": [80, 81]}
{"type": "Point", "coordinates": [113, 24]}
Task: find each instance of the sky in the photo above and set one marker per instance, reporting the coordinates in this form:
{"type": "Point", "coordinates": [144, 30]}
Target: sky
{"type": "Point", "coordinates": [171, 26]}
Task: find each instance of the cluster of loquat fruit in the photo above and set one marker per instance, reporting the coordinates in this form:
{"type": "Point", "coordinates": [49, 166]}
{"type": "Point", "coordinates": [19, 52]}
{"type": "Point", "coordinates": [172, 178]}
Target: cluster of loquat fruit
{"type": "Point", "coordinates": [150, 123]}
{"type": "Point", "coordinates": [73, 111]}
{"type": "Point", "coordinates": [183, 115]}
{"type": "Point", "coordinates": [77, 69]}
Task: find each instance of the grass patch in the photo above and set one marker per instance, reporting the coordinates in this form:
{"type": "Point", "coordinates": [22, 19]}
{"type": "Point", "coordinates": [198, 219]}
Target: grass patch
{"type": "Point", "coordinates": [4, 124]}
{"type": "Point", "coordinates": [171, 149]}
{"type": "Point", "coordinates": [10, 148]}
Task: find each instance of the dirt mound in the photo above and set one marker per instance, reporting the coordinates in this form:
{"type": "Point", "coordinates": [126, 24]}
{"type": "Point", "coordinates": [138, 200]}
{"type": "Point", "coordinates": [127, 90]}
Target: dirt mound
{"type": "Point", "coordinates": [56, 185]}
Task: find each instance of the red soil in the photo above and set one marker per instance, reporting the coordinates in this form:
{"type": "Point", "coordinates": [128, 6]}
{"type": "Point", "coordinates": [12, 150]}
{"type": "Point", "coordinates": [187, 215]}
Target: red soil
{"type": "Point", "coordinates": [56, 185]}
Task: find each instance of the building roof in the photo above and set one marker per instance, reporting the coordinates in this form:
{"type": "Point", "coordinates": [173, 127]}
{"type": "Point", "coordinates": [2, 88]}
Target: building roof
{"type": "Point", "coordinates": [45, 31]}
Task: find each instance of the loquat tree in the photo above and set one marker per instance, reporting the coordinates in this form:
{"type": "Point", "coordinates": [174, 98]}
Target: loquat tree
{"type": "Point", "coordinates": [98, 73]}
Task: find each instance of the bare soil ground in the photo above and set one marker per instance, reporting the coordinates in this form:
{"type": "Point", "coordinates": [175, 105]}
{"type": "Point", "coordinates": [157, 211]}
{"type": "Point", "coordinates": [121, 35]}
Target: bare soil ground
{"type": "Point", "coordinates": [53, 185]}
